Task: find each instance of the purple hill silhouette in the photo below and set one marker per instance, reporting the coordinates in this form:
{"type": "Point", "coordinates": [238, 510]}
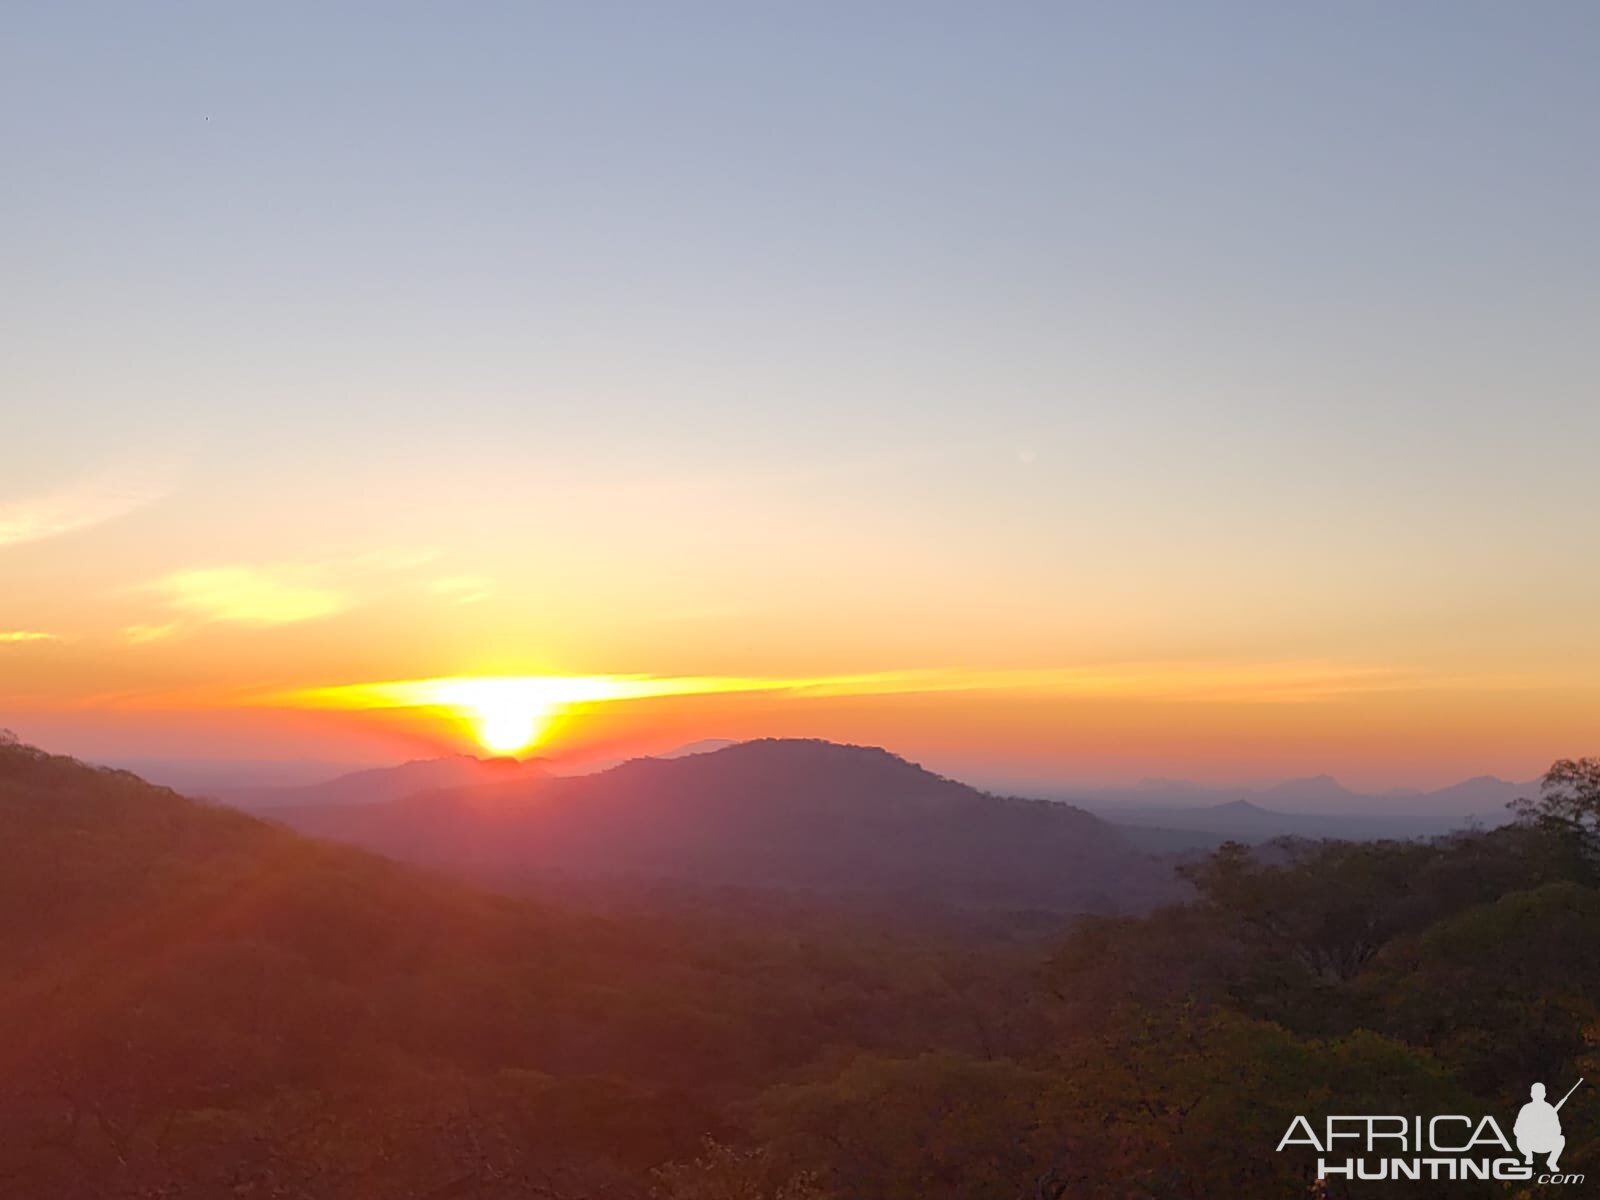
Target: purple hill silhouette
{"type": "Point", "coordinates": [785, 814]}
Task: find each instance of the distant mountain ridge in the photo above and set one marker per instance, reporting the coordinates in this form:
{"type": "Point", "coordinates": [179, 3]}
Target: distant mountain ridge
{"type": "Point", "coordinates": [1484, 796]}
{"type": "Point", "coordinates": [1176, 816]}
{"type": "Point", "coordinates": [786, 814]}
{"type": "Point", "coordinates": [379, 785]}
{"type": "Point", "coordinates": [375, 785]}
{"type": "Point", "coordinates": [477, 817]}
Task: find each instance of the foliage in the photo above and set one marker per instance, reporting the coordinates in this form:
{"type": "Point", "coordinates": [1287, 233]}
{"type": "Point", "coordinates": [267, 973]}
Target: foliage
{"type": "Point", "coordinates": [726, 1173]}
{"type": "Point", "coordinates": [213, 1006]}
{"type": "Point", "coordinates": [1568, 805]}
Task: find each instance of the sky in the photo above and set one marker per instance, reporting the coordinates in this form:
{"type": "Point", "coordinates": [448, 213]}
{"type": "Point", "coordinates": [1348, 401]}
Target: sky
{"type": "Point", "coordinates": [1043, 391]}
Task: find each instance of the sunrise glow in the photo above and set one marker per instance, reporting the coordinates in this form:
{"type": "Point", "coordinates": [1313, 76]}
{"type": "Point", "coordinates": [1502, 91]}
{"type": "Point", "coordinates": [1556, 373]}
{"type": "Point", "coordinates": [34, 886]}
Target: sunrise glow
{"type": "Point", "coordinates": [506, 715]}
{"type": "Point", "coordinates": [512, 714]}
{"type": "Point", "coordinates": [1193, 470]}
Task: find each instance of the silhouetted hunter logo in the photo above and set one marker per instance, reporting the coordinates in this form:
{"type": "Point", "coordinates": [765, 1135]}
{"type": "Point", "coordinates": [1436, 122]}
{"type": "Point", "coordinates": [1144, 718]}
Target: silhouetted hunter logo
{"type": "Point", "coordinates": [1442, 1147]}
{"type": "Point", "coordinates": [1538, 1127]}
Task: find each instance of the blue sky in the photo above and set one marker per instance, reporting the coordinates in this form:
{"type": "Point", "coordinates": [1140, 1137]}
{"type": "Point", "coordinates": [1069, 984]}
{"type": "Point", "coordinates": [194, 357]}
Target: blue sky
{"type": "Point", "coordinates": [708, 218]}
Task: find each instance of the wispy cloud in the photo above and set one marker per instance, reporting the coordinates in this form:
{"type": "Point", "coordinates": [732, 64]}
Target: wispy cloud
{"type": "Point", "coordinates": [67, 510]}
{"type": "Point", "coordinates": [287, 593]}
{"type": "Point", "coordinates": [252, 595]}
{"type": "Point", "coordinates": [15, 636]}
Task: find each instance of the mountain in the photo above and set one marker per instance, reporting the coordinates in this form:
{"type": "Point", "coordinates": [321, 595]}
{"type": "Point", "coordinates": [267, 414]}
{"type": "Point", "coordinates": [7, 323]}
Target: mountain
{"type": "Point", "coordinates": [1482, 794]}
{"type": "Point", "coordinates": [217, 777]}
{"type": "Point", "coordinates": [1321, 793]}
{"type": "Point", "coordinates": [703, 746]}
{"type": "Point", "coordinates": [1167, 817]}
{"type": "Point", "coordinates": [584, 764]}
{"type": "Point", "coordinates": [380, 784]}
{"type": "Point", "coordinates": [843, 821]}
{"type": "Point", "coordinates": [1168, 830]}
{"type": "Point", "coordinates": [1317, 806]}
{"type": "Point", "coordinates": [212, 1005]}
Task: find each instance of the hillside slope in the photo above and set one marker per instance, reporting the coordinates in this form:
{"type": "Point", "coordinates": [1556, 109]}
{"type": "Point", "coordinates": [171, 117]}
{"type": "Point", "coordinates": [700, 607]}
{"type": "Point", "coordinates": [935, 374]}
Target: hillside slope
{"type": "Point", "coordinates": [380, 784]}
{"type": "Point", "coordinates": [204, 1004]}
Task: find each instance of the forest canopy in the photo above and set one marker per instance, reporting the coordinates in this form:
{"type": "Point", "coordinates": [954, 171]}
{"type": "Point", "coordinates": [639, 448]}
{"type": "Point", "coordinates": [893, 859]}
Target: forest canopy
{"type": "Point", "coordinates": [211, 1005]}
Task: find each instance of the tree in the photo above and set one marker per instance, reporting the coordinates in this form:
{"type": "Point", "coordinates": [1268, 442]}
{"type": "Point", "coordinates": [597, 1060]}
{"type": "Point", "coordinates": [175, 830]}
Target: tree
{"type": "Point", "coordinates": [944, 1125]}
{"type": "Point", "coordinates": [1330, 907]}
{"type": "Point", "coordinates": [1568, 803]}
{"type": "Point", "coordinates": [725, 1173]}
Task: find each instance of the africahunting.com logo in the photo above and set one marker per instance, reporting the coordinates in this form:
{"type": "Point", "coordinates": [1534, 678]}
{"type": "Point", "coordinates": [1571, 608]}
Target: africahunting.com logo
{"type": "Point", "coordinates": [1445, 1147]}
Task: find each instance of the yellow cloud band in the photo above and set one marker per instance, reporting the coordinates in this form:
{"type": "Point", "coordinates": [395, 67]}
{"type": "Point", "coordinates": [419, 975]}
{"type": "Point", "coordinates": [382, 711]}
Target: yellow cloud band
{"type": "Point", "coordinates": [1273, 682]}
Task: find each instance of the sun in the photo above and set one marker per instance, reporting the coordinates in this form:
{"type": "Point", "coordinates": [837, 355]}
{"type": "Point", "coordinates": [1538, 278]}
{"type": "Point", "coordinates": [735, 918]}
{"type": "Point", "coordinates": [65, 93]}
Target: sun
{"type": "Point", "coordinates": [507, 716]}
{"type": "Point", "coordinates": [509, 727]}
